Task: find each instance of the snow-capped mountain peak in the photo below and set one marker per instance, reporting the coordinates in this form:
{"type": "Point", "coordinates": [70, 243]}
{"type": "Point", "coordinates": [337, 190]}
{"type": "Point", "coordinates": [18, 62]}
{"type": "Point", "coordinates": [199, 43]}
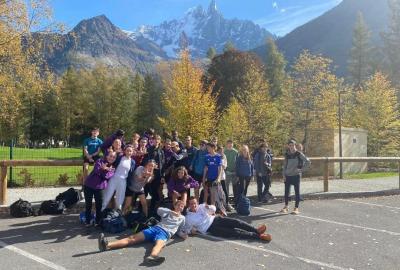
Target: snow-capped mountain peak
{"type": "Point", "coordinates": [199, 30]}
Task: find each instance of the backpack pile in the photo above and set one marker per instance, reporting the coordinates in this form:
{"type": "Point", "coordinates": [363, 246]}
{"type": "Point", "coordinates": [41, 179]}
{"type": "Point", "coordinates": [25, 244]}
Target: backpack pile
{"type": "Point", "coordinates": [21, 208]}
{"type": "Point", "coordinates": [112, 221]}
{"type": "Point", "coordinates": [64, 200]}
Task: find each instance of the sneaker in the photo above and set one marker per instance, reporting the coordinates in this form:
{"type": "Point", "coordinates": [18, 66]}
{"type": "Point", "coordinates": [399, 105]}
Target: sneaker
{"type": "Point", "coordinates": [284, 210]}
{"type": "Point", "coordinates": [266, 237]}
{"type": "Point", "coordinates": [102, 242]}
{"type": "Point", "coordinates": [229, 208]}
{"type": "Point", "coordinates": [261, 229]}
{"type": "Point", "coordinates": [295, 211]}
{"type": "Point", "coordinates": [154, 259]}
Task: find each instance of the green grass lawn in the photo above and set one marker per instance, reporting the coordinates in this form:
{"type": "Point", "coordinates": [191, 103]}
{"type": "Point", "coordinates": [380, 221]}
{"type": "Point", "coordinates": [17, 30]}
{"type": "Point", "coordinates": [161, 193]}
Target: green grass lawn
{"type": "Point", "coordinates": [43, 176]}
{"type": "Point", "coordinates": [370, 175]}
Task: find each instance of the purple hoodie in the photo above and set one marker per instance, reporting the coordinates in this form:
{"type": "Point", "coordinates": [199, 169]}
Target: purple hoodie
{"type": "Point", "coordinates": [179, 185]}
{"type": "Point", "coordinates": [98, 178]}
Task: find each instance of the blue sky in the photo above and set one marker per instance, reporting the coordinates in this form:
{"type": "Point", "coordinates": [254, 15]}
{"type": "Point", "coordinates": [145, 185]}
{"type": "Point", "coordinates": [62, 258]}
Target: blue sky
{"type": "Point", "coordinates": [277, 16]}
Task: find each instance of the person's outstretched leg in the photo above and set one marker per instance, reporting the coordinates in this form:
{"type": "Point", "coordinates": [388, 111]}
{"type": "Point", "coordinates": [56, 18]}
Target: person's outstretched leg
{"type": "Point", "coordinates": [128, 241]}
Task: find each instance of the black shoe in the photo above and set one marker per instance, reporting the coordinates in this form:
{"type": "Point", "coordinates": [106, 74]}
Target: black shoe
{"type": "Point", "coordinates": [154, 259]}
{"type": "Point", "coordinates": [102, 242]}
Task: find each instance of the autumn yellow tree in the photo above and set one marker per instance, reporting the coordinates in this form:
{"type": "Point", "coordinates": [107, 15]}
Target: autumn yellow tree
{"type": "Point", "coordinates": [312, 97]}
{"type": "Point", "coordinates": [189, 108]}
{"type": "Point", "coordinates": [234, 124]}
{"type": "Point", "coordinates": [377, 111]}
{"type": "Point", "coordinates": [21, 83]}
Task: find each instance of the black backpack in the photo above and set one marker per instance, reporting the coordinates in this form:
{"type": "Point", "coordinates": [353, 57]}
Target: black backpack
{"type": "Point", "coordinates": [21, 208]}
{"type": "Point", "coordinates": [112, 221]}
{"type": "Point", "coordinates": [52, 207]}
{"type": "Point", "coordinates": [70, 197]}
{"type": "Point", "coordinates": [138, 226]}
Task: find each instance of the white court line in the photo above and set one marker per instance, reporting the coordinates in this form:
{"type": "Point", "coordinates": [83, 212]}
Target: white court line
{"type": "Point", "coordinates": [371, 204]}
{"type": "Point", "coordinates": [31, 256]}
{"type": "Point", "coordinates": [338, 223]}
{"type": "Point", "coordinates": [322, 264]}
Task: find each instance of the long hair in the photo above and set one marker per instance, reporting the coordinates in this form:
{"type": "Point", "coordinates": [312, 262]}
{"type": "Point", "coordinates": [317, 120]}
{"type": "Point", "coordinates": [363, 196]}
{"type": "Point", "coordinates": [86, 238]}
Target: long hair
{"type": "Point", "coordinates": [245, 152]}
{"type": "Point", "coordinates": [185, 173]}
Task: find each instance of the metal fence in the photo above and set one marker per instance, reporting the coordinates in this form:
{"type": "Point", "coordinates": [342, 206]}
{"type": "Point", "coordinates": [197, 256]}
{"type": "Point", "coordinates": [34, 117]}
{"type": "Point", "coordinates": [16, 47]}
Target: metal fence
{"type": "Point", "coordinates": [24, 176]}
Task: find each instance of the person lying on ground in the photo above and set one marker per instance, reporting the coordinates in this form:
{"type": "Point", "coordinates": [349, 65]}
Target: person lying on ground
{"type": "Point", "coordinates": [202, 219]}
{"type": "Point", "coordinates": [172, 221]}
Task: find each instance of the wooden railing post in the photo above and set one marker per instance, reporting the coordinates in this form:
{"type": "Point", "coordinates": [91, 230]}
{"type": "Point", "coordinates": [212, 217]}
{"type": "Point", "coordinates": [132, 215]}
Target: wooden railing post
{"type": "Point", "coordinates": [3, 182]}
{"type": "Point", "coordinates": [84, 173]}
{"type": "Point", "coordinates": [326, 175]}
{"type": "Point", "coordinates": [398, 165]}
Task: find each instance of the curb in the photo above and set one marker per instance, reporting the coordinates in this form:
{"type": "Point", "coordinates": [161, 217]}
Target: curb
{"type": "Point", "coordinates": [5, 213]}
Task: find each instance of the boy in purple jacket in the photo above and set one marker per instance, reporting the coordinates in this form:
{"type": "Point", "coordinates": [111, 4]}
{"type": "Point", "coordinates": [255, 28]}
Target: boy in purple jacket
{"type": "Point", "coordinates": [96, 181]}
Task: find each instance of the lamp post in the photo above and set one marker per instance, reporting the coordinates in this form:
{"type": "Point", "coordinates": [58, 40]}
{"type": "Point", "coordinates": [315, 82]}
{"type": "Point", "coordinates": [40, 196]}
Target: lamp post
{"type": "Point", "coordinates": [340, 133]}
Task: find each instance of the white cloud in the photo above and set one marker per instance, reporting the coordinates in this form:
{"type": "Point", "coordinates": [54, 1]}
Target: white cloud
{"type": "Point", "coordinates": [283, 10]}
{"type": "Point", "coordinates": [275, 5]}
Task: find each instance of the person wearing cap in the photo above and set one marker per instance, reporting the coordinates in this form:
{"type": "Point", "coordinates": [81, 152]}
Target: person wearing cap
{"type": "Point", "coordinates": [119, 134]}
{"type": "Point", "coordinates": [294, 164]}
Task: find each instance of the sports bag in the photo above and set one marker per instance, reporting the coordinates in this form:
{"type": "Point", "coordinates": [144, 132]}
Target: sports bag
{"type": "Point", "coordinates": [52, 207]}
{"type": "Point", "coordinates": [70, 197]}
{"type": "Point", "coordinates": [21, 208]}
{"type": "Point", "coordinates": [243, 206]}
{"type": "Point", "coordinates": [112, 221]}
{"type": "Point", "coordinates": [140, 226]}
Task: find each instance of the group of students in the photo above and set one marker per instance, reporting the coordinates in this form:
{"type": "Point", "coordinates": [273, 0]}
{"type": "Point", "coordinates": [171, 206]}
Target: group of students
{"type": "Point", "coordinates": [145, 164]}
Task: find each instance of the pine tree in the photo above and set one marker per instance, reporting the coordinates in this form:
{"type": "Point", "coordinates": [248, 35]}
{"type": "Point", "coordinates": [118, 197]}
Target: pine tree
{"type": "Point", "coordinates": [391, 40]}
{"type": "Point", "coordinates": [359, 68]}
{"type": "Point", "coordinates": [378, 113]}
{"type": "Point", "coordinates": [189, 108]}
{"type": "Point", "coordinates": [211, 53]}
{"type": "Point", "coordinates": [275, 69]}
{"type": "Point", "coordinates": [229, 46]}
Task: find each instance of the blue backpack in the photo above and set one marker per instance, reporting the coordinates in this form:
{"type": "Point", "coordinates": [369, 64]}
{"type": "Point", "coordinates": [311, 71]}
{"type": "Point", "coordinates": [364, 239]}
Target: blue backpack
{"type": "Point", "coordinates": [112, 221]}
{"type": "Point", "coordinates": [243, 206]}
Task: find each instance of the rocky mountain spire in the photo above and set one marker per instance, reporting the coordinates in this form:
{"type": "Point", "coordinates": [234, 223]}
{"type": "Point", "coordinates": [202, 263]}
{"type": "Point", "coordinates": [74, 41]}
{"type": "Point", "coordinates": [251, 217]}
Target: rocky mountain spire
{"type": "Point", "coordinates": [212, 8]}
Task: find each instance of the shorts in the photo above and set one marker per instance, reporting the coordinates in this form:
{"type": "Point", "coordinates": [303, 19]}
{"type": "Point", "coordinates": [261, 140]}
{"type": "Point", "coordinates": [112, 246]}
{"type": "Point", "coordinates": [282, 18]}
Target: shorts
{"type": "Point", "coordinates": [129, 192]}
{"type": "Point", "coordinates": [198, 177]}
{"type": "Point", "coordinates": [85, 160]}
{"type": "Point", "coordinates": [155, 233]}
{"type": "Point", "coordinates": [211, 183]}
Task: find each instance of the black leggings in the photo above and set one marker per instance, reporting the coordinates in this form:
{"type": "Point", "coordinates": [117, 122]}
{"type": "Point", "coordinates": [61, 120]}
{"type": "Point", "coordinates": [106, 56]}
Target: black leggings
{"type": "Point", "coordinates": [231, 227]}
{"type": "Point", "coordinates": [243, 184]}
{"type": "Point", "coordinates": [89, 193]}
{"type": "Point", "coordinates": [295, 181]}
{"type": "Point", "coordinates": [223, 184]}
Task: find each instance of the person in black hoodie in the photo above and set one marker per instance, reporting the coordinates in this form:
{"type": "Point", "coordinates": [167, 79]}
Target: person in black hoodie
{"type": "Point", "coordinates": [156, 153]}
{"type": "Point", "coordinates": [262, 166]}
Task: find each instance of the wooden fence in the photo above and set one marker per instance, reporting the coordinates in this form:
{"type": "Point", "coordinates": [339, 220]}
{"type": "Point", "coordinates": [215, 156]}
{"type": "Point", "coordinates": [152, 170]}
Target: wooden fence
{"type": "Point", "coordinates": [315, 160]}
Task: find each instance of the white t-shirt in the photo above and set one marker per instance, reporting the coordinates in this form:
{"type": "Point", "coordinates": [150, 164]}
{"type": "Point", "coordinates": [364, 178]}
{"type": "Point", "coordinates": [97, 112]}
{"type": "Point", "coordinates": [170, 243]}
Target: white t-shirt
{"type": "Point", "coordinates": [123, 169]}
{"type": "Point", "coordinates": [201, 220]}
{"type": "Point", "coordinates": [137, 185]}
{"type": "Point", "coordinates": [224, 165]}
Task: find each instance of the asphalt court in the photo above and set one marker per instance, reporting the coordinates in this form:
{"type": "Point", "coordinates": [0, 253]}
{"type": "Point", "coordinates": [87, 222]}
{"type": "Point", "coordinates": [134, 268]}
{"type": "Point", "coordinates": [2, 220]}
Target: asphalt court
{"type": "Point", "coordinates": [328, 234]}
